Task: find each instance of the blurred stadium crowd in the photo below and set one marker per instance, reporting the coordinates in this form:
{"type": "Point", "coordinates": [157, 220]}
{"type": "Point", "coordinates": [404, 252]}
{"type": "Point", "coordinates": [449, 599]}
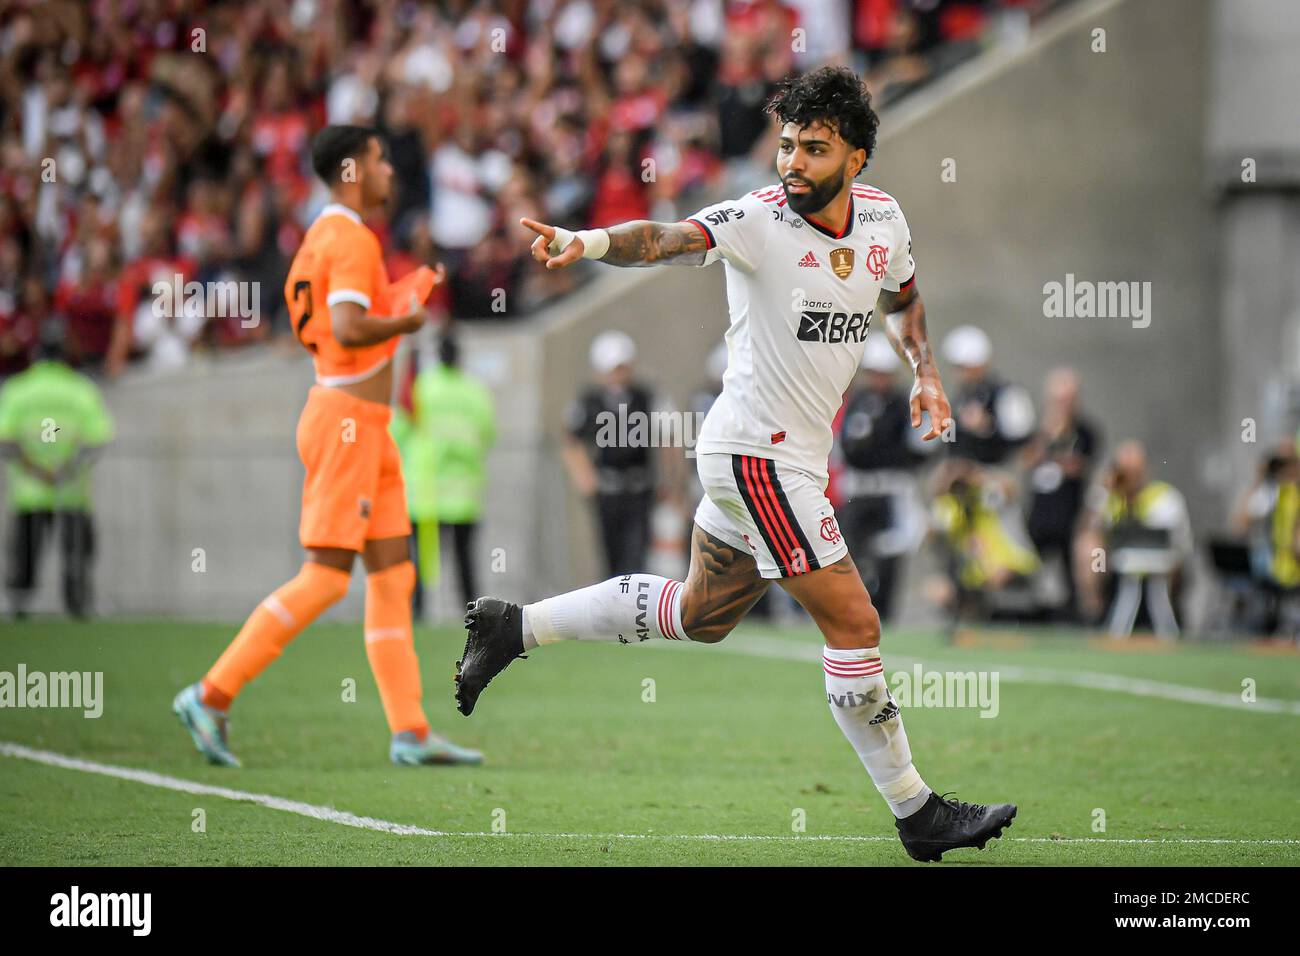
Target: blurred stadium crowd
{"type": "Point", "coordinates": [145, 139]}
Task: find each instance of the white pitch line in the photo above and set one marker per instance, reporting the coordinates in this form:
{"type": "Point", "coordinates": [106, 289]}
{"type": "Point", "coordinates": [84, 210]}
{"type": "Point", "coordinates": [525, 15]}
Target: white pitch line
{"type": "Point", "coordinates": [330, 815]}
{"type": "Point", "coordinates": [152, 779]}
{"type": "Point", "coordinates": [1089, 680]}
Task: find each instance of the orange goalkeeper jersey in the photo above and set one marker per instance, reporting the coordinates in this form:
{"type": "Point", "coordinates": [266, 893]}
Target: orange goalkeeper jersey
{"type": "Point", "coordinates": [340, 260]}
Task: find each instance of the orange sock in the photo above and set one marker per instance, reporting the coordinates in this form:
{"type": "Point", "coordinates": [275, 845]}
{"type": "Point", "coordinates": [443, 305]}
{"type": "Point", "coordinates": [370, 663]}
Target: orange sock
{"type": "Point", "coordinates": [269, 629]}
{"type": "Point", "coordinates": [390, 647]}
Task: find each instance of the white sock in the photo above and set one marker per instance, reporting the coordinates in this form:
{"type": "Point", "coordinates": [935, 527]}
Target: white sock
{"type": "Point", "coordinates": [860, 701]}
{"type": "Point", "coordinates": [627, 609]}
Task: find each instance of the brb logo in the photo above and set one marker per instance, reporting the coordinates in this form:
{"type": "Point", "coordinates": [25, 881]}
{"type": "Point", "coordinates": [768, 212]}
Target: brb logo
{"type": "Point", "coordinates": [833, 326]}
{"type": "Point", "coordinates": [877, 259]}
{"type": "Point", "coordinates": [830, 530]}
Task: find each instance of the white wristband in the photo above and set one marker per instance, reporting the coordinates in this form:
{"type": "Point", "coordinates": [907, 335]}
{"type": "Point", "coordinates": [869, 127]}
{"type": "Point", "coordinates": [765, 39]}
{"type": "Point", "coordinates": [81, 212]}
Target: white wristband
{"type": "Point", "coordinates": [595, 242]}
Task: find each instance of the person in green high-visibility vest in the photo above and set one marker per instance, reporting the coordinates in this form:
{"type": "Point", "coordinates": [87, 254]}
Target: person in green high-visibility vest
{"type": "Point", "coordinates": [53, 423]}
{"type": "Point", "coordinates": [451, 428]}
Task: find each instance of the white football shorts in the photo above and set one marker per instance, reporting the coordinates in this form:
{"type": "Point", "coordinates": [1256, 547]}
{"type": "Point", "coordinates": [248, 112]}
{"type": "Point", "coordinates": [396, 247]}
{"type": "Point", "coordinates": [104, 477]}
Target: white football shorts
{"type": "Point", "coordinates": [777, 513]}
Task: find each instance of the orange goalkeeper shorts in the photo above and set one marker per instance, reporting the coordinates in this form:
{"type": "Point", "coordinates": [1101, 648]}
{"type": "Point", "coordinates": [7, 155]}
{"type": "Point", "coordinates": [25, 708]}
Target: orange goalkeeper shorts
{"type": "Point", "coordinates": [353, 491]}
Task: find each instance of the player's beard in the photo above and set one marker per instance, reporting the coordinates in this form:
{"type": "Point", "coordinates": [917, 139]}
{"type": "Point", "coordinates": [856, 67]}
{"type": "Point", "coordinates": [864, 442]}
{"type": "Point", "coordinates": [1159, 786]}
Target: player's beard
{"type": "Point", "coordinates": [818, 197]}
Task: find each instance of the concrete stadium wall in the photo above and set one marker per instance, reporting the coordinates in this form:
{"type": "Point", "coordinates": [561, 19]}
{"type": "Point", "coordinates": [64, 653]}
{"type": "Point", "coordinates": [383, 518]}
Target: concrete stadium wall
{"type": "Point", "coordinates": [1253, 146]}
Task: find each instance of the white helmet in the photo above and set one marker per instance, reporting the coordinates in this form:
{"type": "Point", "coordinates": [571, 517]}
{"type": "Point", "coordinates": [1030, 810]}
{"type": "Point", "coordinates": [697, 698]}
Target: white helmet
{"type": "Point", "coordinates": [967, 346]}
{"type": "Point", "coordinates": [879, 355]}
{"type": "Point", "coordinates": [611, 349]}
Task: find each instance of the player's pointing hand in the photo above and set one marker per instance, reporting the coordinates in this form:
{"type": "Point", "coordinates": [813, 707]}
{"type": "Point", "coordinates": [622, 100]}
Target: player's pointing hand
{"type": "Point", "coordinates": [928, 396]}
{"type": "Point", "coordinates": [556, 248]}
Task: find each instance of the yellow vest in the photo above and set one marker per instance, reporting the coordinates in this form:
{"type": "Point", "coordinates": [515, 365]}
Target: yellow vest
{"type": "Point", "coordinates": [1116, 506]}
{"type": "Point", "coordinates": [981, 541]}
{"type": "Point", "coordinates": [1286, 569]}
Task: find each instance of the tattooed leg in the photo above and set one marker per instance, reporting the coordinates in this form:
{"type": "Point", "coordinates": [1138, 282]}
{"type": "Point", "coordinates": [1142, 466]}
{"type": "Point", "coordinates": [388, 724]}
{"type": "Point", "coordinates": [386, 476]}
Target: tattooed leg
{"type": "Point", "coordinates": [721, 586]}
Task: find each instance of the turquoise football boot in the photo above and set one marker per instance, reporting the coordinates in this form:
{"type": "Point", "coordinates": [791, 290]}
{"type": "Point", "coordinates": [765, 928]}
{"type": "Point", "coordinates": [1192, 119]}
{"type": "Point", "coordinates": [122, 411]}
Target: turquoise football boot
{"type": "Point", "coordinates": [406, 750]}
{"type": "Point", "coordinates": [206, 725]}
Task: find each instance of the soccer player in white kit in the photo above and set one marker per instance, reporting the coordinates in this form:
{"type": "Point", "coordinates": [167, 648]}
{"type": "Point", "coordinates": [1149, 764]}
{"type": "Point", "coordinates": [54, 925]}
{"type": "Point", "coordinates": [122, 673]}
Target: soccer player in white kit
{"type": "Point", "coordinates": [809, 262]}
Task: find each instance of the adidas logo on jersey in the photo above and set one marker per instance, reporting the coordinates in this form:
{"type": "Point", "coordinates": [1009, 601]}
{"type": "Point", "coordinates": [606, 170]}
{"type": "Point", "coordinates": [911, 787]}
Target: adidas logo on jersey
{"type": "Point", "coordinates": [809, 261]}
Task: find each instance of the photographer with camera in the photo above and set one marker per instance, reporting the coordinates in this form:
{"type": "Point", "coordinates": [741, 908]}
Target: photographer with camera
{"type": "Point", "coordinates": [1136, 531]}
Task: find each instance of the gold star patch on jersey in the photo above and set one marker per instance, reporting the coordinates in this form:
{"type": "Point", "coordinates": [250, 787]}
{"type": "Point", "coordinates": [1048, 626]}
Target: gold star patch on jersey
{"type": "Point", "coordinates": [842, 261]}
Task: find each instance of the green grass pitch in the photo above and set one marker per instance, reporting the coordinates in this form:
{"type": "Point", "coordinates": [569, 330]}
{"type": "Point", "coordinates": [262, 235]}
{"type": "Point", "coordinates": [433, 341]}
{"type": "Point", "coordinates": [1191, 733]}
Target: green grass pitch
{"type": "Point", "coordinates": [735, 749]}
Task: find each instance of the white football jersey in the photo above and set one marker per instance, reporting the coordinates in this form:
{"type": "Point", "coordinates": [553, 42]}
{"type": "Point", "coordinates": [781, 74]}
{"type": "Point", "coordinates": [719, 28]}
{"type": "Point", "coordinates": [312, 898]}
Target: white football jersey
{"type": "Point", "coordinates": [801, 300]}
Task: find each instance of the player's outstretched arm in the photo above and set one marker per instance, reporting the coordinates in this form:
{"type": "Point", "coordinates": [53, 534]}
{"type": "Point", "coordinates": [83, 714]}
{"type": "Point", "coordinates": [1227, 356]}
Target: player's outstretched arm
{"type": "Point", "coordinates": [636, 243]}
{"type": "Point", "coordinates": [905, 327]}
{"type": "Point", "coordinates": [645, 243]}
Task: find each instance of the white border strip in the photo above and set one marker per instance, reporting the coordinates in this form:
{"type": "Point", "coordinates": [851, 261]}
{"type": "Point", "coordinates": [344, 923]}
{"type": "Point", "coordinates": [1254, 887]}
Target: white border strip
{"type": "Point", "coordinates": [330, 815]}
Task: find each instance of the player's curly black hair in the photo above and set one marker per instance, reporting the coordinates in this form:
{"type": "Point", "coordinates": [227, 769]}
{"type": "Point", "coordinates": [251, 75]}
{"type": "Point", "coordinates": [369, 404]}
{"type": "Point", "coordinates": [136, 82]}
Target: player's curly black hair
{"type": "Point", "coordinates": [832, 95]}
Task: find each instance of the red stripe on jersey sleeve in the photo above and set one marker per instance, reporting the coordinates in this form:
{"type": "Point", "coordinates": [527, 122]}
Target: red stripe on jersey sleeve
{"type": "Point", "coordinates": [704, 229]}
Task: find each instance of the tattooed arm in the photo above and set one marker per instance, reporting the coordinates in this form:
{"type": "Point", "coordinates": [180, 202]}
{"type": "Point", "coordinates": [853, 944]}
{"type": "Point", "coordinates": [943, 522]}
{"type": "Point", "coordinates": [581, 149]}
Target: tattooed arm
{"type": "Point", "coordinates": [644, 243]}
{"type": "Point", "coordinates": [905, 327]}
{"type": "Point", "coordinates": [636, 243]}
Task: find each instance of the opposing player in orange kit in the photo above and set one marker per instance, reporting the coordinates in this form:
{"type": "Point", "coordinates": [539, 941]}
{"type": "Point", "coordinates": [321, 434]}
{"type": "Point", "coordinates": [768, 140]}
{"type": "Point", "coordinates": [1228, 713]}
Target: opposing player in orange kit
{"type": "Point", "coordinates": [345, 312]}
